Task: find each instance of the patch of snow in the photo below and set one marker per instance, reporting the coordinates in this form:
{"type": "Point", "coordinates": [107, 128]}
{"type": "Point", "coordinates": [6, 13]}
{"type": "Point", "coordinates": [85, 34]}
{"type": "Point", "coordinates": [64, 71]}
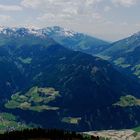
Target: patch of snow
{"type": "Point", "coordinates": [1, 28]}
{"type": "Point", "coordinates": [17, 31]}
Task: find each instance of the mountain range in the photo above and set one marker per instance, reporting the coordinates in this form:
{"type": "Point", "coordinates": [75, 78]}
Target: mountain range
{"type": "Point", "coordinates": [125, 55]}
{"type": "Point", "coordinates": [49, 84]}
{"type": "Point", "coordinates": [67, 38]}
{"type": "Point", "coordinates": [77, 41]}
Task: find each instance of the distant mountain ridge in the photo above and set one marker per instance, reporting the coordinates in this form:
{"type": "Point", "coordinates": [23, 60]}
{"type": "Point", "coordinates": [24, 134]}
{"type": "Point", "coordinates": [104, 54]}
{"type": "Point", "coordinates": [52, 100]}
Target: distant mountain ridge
{"type": "Point", "coordinates": [125, 54]}
{"type": "Point", "coordinates": [77, 41]}
{"type": "Point", "coordinates": [68, 38]}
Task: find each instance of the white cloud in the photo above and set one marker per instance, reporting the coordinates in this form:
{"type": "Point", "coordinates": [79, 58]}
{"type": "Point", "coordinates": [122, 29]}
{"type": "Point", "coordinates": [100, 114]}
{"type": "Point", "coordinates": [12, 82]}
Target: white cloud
{"type": "Point", "coordinates": [96, 16]}
{"type": "Point", "coordinates": [10, 8]}
{"type": "Point", "coordinates": [124, 24]}
{"type": "Point", "coordinates": [125, 3]}
{"type": "Point", "coordinates": [107, 22]}
{"type": "Point", "coordinates": [59, 4]}
{"type": "Point", "coordinates": [137, 24]}
{"type": "Point", "coordinates": [31, 3]}
{"type": "Point", "coordinates": [46, 17]}
{"type": "Point", "coordinates": [92, 2]}
{"type": "Point", "coordinates": [64, 9]}
{"type": "Point", "coordinates": [70, 10]}
{"type": "Point", "coordinates": [107, 8]}
{"type": "Point", "coordinates": [4, 18]}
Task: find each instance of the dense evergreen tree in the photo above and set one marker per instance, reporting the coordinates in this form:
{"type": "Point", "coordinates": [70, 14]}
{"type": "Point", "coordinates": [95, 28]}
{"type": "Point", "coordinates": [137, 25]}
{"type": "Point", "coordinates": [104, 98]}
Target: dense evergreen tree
{"type": "Point", "coordinates": [38, 133]}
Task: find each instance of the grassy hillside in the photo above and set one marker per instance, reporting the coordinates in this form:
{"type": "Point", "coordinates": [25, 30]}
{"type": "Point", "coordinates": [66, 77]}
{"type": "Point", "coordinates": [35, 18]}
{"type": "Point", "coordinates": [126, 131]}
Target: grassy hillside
{"type": "Point", "coordinates": [125, 55]}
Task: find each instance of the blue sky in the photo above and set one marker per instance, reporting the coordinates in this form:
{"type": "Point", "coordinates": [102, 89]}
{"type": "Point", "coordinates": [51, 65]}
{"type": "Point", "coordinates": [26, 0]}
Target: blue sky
{"type": "Point", "coordinates": [107, 19]}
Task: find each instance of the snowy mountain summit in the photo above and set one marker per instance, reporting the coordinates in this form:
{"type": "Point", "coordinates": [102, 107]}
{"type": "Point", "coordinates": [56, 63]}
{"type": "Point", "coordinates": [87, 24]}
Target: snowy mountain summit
{"type": "Point", "coordinates": [23, 31]}
{"type": "Point", "coordinates": [59, 31]}
{"type": "Point", "coordinates": [65, 37]}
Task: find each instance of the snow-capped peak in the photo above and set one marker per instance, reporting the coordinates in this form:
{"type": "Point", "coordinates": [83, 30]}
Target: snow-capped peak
{"type": "Point", "coordinates": [60, 31]}
{"type": "Point", "coordinates": [1, 28]}
{"type": "Point", "coordinates": [137, 34]}
{"type": "Point", "coordinates": [67, 32]}
{"type": "Point", "coordinates": [23, 31]}
{"type": "Point", "coordinates": [17, 31]}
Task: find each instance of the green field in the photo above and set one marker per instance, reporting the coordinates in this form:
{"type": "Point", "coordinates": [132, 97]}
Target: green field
{"type": "Point", "coordinates": [36, 99]}
{"type": "Point", "coordinates": [128, 101]}
{"type": "Point", "coordinates": [9, 122]}
{"type": "Point", "coordinates": [71, 120]}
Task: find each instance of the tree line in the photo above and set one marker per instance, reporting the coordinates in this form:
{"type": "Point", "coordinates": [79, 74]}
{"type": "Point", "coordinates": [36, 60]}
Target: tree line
{"type": "Point", "coordinates": [48, 134]}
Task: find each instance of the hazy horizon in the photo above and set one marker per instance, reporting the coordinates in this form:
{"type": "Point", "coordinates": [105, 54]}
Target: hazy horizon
{"type": "Point", "coordinates": [106, 19]}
